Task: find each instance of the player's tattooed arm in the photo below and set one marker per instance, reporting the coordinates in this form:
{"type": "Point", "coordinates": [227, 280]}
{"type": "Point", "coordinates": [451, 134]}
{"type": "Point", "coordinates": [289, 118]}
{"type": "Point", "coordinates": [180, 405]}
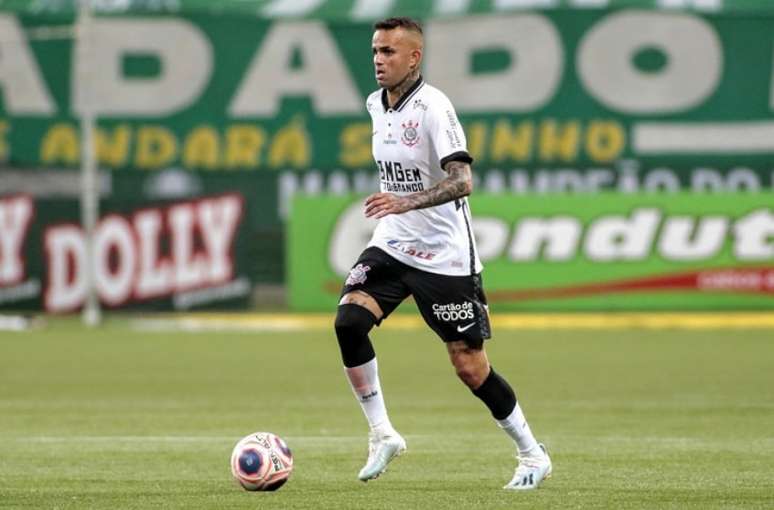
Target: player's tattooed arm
{"type": "Point", "coordinates": [457, 184]}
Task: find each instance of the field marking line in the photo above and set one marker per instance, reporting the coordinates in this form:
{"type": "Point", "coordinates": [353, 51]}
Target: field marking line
{"type": "Point", "coordinates": [288, 322]}
{"type": "Point", "coordinates": [186, 439]}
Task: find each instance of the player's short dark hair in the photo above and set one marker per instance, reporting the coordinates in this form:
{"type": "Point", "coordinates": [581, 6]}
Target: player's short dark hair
{"type": "Point", "coordinates": [400, 22]}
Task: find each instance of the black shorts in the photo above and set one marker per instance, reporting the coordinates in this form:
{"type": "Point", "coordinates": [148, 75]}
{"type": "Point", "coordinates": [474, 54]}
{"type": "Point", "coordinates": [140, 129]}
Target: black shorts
{"type": "Point", "coordinates": [453, 306]}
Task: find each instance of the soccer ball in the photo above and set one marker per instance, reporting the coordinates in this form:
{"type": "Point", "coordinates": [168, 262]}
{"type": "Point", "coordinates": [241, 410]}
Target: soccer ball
{"type": "Point", "coordinates": [261, 462]}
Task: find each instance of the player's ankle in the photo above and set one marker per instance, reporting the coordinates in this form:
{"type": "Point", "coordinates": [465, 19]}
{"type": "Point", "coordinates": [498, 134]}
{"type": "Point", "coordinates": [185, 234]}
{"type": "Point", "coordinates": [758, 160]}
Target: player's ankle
{"type": "Point", "coordinates": [533, 451]}
{"type": "Point", "coordinates": [384, 428]}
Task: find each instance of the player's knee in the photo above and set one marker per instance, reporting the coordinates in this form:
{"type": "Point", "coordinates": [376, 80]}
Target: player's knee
{"type": "Point", "coordinates": [470, 363]}
{"type": "Point", "coordinates": [470, 374]}
{"type": "Point", "coordinates": [362, 299]}
{"type": "Point", "coordinates": [353, 322]}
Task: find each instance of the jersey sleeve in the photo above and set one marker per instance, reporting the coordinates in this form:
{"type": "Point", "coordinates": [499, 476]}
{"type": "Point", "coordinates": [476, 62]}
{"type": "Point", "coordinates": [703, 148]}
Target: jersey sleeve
{"type": "Point", "coordinates": [446, 133]}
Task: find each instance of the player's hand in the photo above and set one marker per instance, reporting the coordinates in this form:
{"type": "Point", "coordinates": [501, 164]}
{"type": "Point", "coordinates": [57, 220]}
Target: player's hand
{"type": "Point", "coordinates": [382, 204]}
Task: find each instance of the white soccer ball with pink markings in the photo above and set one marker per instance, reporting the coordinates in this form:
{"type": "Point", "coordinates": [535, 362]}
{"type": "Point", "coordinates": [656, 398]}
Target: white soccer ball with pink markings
{"type": "Point", "coordinates": [261, 461]}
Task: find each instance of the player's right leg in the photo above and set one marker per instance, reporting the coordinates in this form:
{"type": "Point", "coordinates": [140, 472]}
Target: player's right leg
{"type": "Point", "coordinates": [357, 314]}
{"type": "Point", "coordinates": [358, 311]}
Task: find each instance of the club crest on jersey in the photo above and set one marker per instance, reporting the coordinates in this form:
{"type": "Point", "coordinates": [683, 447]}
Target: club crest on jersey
{"type": "Point", "coordinates": [357, 275]}
{"type": "Point", "coordinates": [410, 135]}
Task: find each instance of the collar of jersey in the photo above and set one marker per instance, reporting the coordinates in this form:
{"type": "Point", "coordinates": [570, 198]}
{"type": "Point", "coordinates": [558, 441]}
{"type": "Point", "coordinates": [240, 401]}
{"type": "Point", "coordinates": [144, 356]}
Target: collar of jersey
{"type": "Point", "coordinates": [404, 98]}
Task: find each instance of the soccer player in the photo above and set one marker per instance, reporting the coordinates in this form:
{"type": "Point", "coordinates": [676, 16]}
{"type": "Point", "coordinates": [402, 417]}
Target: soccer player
{"type": "Point", "coordinates": [422, 246]}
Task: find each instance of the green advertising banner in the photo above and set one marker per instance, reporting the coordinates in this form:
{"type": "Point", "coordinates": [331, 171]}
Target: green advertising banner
{"type": "Point", "coordinates": [565, 99]}
{"type": "Point", "coordinates": [564, 252]}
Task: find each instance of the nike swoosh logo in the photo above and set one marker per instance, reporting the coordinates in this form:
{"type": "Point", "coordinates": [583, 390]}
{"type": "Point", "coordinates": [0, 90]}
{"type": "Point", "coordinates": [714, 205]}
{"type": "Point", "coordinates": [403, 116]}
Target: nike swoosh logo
{"type": "Point", "coordinates": [461, 329]}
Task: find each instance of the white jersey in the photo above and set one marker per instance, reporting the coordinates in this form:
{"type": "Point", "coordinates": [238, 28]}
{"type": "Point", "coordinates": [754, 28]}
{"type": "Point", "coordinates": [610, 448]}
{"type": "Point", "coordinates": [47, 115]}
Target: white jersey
{"type": "Point", "coordinates": [411, 142]}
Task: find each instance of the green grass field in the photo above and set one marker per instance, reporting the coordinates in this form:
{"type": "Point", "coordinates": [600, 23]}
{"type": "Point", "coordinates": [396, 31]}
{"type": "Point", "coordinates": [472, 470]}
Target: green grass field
{"type": "Point", "coordinates": [116, 418]}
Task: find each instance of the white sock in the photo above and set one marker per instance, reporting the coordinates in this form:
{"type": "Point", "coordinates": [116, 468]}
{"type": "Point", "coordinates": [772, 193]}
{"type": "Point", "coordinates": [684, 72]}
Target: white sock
{"type": "Point", "coordinates": [515, 425]}
{"type": "Point", "coordinates": [364, 380]}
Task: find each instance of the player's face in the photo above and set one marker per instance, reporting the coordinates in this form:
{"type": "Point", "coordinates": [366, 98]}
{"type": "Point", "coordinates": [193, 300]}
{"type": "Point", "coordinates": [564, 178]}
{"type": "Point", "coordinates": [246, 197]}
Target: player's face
{"type": "Point", "coordinates": [396, 54]}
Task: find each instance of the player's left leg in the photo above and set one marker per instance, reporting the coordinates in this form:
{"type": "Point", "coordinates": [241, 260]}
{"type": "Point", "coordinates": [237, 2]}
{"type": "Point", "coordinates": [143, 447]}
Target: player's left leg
{"type": "Point", "coordinates": [472, 366]}
{"type": "Point", "coordinates": [455, 307]}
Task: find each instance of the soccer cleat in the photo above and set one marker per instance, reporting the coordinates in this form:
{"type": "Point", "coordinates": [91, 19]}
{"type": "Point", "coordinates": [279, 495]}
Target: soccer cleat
{"type": "Point", "coordinates": [532, 469]}
{"type": "Point", "coordinates": [382, 448]}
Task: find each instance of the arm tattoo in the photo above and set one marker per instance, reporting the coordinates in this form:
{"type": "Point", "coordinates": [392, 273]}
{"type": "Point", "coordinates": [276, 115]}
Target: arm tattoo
{"type": "Point", "coordinates": [456, 185]}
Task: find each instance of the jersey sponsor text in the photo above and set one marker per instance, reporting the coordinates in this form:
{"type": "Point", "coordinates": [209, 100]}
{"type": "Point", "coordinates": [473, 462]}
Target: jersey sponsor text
{"type": "Point", "coordinates": [410, 250]}
{"type": "Point", "coordinates": [395, 178]}
{"type": "Point", "coordinates": [453, 311]}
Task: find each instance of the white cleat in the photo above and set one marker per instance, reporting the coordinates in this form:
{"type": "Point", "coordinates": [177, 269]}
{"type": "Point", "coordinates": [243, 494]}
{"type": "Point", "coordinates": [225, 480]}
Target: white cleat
{"type": "Point", "coordinates": [382, 448]}
{"type": "Point", "coordinates": [532, 469]}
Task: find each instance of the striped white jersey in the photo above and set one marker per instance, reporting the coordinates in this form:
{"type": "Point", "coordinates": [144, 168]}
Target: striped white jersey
{"type": "Point", "coordinates": [411, 142]}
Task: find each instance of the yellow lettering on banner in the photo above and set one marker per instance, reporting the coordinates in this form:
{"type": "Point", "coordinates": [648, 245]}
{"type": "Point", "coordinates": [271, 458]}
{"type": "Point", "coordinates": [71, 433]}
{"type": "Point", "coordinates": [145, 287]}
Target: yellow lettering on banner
{"type": "Point", "coordinates": [243, 146]}
{"type": "Point", "coordinates": [476, 134]}
{"type": "Point", "coordinates": [113, 148]}
{"type": "Point", "coordinates": [4, 149]}
{"type": "Point", "coordinates": [514, 144]}
{"type": "Point", "coordinates": [559, 141]}
{"type": "Point", "coordinates": [201, 148]}
{"type": "Point", "coordinates": [355, 143]}
{"type": "Point", "coordinates": [156, 147]}
{"type": "Point", "coordinates": [291, 146]}
{"type": "Point", "coordinates": [605, 140]}
{"type": "Point", "coordinates": [60, 145]}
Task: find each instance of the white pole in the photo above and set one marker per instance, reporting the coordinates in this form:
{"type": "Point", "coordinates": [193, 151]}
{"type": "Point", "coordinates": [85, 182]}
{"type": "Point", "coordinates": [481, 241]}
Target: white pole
{"type": "Point", "coordinates": [91, 314]}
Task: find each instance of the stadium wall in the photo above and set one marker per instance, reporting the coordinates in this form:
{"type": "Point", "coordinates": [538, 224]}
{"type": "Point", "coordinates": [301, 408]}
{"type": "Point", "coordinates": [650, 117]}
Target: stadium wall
{"type": "Point", "coordinates": [196, 105]}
